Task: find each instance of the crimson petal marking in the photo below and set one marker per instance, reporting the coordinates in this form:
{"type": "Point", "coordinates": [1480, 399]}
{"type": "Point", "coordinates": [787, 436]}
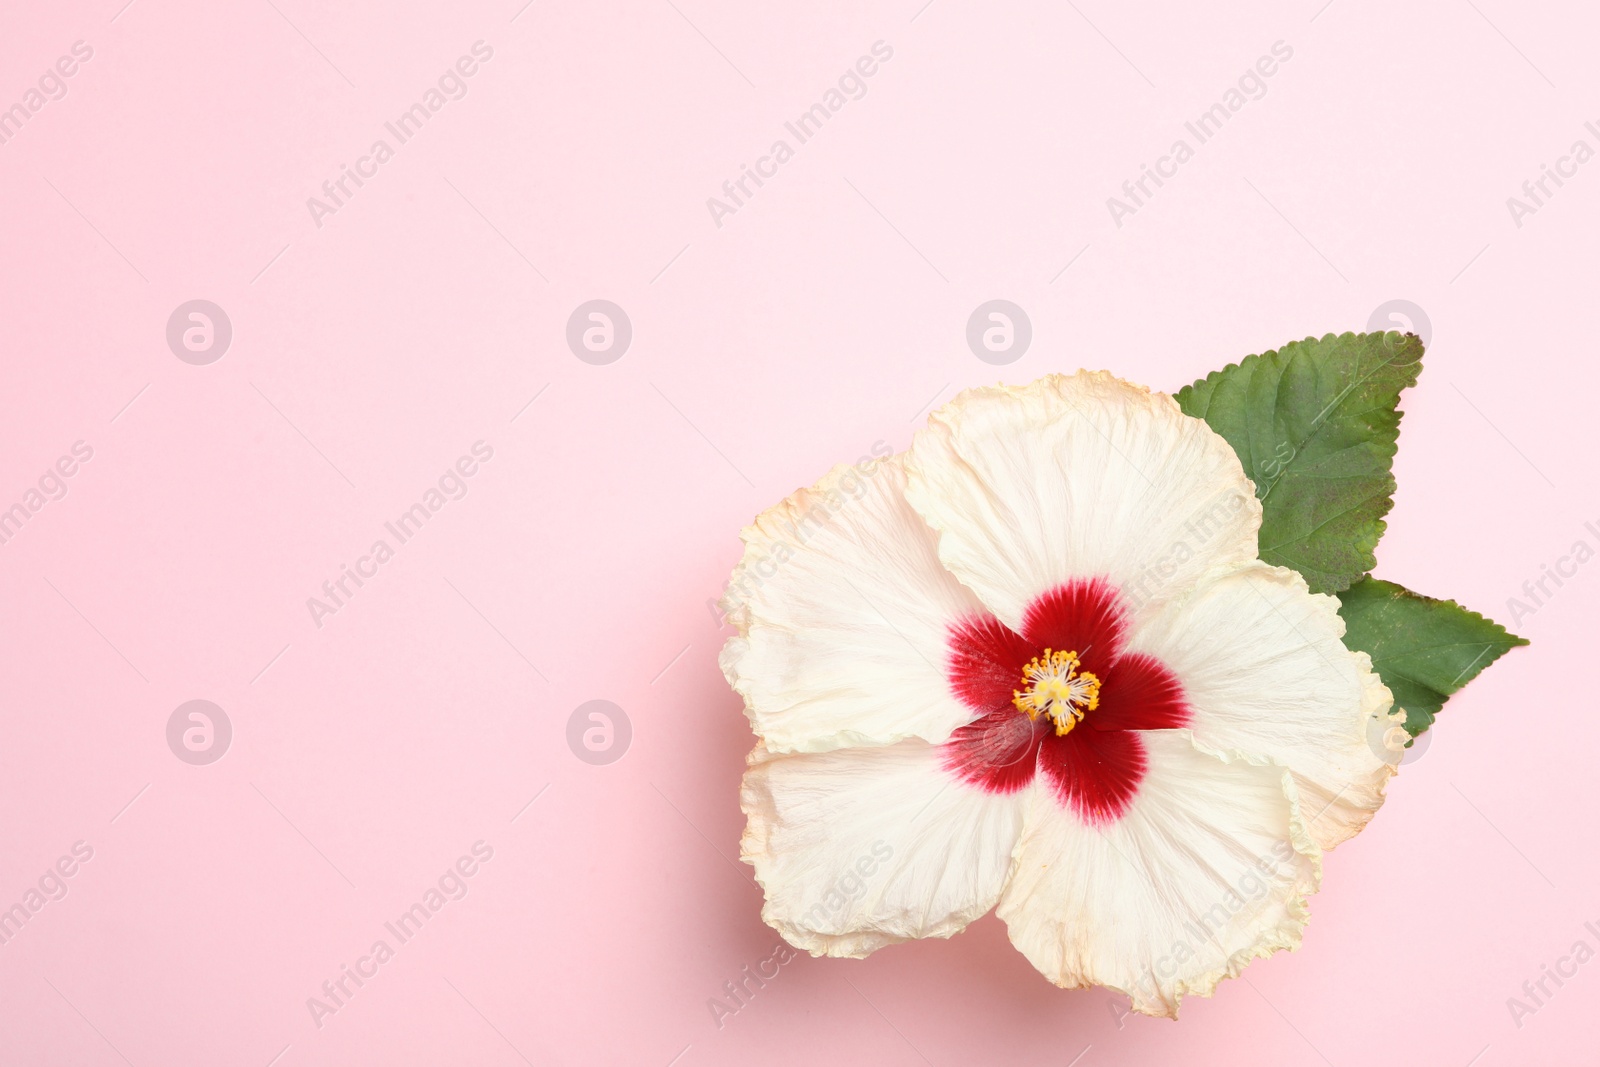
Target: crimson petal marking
{"type": "Point", "coordinates": [1095, 773]}
{"type": "Point", "coordinates": [986, 661]}
{"type": "Point", "coordinates": [1139, 693]}
{"type": "Point", "coordinates": [1084, 616]}
{"type": "Point", "coordinates": [998, 752]}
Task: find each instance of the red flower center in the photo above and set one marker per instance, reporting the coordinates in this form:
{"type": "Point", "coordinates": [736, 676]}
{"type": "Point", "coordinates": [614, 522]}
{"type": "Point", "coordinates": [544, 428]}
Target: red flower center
{"type": "Point", "coordinates": [1095, 768]}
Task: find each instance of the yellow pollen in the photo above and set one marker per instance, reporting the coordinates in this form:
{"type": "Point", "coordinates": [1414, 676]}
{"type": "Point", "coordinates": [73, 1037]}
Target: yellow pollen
{"type": "Point", "coordinates": [1053, 686]}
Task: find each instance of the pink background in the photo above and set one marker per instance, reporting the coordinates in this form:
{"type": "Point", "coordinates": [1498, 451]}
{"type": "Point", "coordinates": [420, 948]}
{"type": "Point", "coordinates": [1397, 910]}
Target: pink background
{"type": "Point", "coordinates": [824, 315]}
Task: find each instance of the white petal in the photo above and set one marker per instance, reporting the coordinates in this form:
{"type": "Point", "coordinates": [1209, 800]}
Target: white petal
{"type": "Point", "coordinates": [860, 848]}
{"type": "Point", "coordinates": [1208, 869]}
{"type": "Point", "coordinates": [843, 609]}
{"type": "Point", "coordinates": [1075, 476]}
{"type": "Point", "coordinates": [1267, 677]}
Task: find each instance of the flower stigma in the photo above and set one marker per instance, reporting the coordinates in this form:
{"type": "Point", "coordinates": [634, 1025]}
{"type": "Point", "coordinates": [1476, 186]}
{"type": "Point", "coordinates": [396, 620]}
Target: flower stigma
{"type": "Point", "coordinates": [1053, 686]}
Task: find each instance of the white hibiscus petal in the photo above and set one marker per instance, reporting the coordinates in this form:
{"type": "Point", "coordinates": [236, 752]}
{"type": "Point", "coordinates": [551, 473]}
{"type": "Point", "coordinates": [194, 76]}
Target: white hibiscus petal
{"type": "Point", "coordinates": [860, 848]}
{"type": "Point", "coordinates": [1208, 869]}
{"type": "Point", "coordinates": [1267, 676]}
{"type": "Point", "coordinates": [1077, 476]}
{"type": "Point", "coordinates": [843, 612]}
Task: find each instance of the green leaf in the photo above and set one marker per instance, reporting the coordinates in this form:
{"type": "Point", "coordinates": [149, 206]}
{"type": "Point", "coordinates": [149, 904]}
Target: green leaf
{"type": "Point", "coordinates": [1315, 425]}
{"type": "Point", "coordinates": [1423, 649]}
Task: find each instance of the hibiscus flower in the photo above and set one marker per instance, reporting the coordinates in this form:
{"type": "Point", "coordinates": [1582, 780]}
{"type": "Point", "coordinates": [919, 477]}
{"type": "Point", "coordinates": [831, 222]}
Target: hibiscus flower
{"type": "Point", "coordinates": [1034, 664]}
